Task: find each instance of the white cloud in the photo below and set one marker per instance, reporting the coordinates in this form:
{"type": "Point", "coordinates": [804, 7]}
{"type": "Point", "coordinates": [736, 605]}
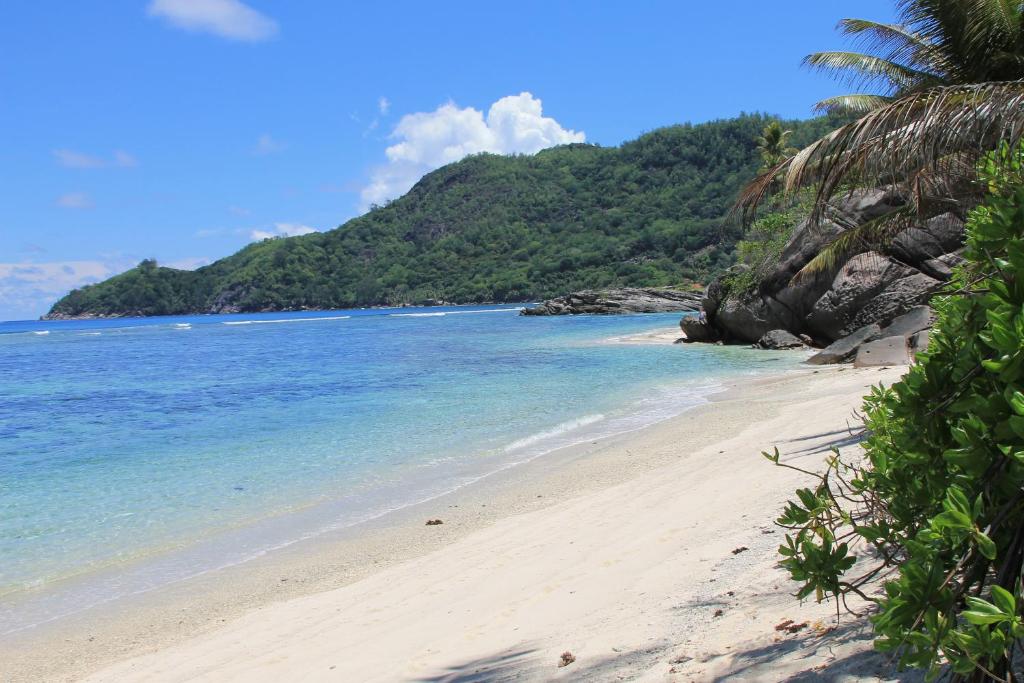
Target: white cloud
{"type": "Point", "coordinates": [28, 289]}
{"type": "Point", "coordinates": [429, 140]}
{"type": "Point", "coordinates": [72, 159]}
{"type": "Point", "coordinates": [267, 145]}
{"type": "Point", "coordinates": [383, 106]}
{"type": "Point", "coordinates": [282, 230]}
{"type": "Point", "coordinates": [239, 210]}
{"type": "Point", "coordinates": [226, 18]}
{"type": "Point", "coordinates": [75, 200]}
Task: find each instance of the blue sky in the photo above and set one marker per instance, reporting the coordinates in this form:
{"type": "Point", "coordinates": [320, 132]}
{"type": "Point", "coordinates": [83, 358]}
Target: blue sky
{"type": "Point", "coordinates": [183, 129]}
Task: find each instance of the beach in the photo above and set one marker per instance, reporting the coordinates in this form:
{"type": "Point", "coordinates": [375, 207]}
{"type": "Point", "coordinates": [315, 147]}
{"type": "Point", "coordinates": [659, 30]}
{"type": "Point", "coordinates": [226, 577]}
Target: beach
{"type": "Point", "coordinates": [647, 556]}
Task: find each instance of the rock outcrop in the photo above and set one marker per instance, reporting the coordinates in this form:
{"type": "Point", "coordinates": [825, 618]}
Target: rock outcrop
{"type": "Point", "coordinates": [842, 350]}
{"type": "Point", "coordinates": [611, 301]}
{"type": "Point", "coordinates": [866, 288]}
{"type": "Point", "coordinates": [748, 320]}
{"type": "Point", "coordinates": [915, 320]}
{"type": "Point", "coordinates": [696, 329]}
{"type": "Point", "coordinates": [778, 340]}
{"type": "Point", "coordinates": [936, 237]}
{"type": "Point", "coordinates": [911, 327]}
{"type": "Point", "coordinates": [858, 282]}
{"type": "Point", "coordinates": [881, 352]}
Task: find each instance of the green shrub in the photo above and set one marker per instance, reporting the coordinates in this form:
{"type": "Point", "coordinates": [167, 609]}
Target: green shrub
{"type": "Point", "coordinates": [936, 508]}
{"type": "Point", "coordinates": [757, 254]}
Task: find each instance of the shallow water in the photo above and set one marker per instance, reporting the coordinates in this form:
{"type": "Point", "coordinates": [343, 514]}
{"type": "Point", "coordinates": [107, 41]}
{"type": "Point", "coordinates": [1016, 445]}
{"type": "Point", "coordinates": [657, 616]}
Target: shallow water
{"type": "Point", "coordinates": [198, 442]}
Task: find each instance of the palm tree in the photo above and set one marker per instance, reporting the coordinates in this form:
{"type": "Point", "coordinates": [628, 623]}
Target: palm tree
{"type": "Point", "coordinates": [943, 86]}
{"type": "Point", "coordinates": [771, 145]}
{"type": "Point", "coordinates": [937, 43]}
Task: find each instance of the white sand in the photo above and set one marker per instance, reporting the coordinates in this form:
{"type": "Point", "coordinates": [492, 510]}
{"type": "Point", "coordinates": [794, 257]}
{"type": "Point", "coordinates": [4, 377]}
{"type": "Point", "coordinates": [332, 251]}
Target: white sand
{"type": "Point", "coordinates": [626, 573]}
{"type": "Point", "coordinates": [665, 335]}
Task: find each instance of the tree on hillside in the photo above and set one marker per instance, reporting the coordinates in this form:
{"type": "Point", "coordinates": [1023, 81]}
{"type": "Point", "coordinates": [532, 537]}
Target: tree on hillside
{"type": "Point", "coordinates": [772, 145]}
{"type": "Point", "coordinates": [941, 88]}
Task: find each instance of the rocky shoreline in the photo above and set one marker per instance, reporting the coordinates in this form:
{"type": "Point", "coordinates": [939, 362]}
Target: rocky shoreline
{"type": "Point", "coordinates": [618, 301]}
{"type": "Point", "coordinates": [871, 301]}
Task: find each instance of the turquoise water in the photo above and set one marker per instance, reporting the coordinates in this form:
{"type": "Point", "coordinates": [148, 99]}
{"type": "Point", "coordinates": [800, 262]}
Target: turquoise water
{"type": "Point", "coordinates": [172, 446]}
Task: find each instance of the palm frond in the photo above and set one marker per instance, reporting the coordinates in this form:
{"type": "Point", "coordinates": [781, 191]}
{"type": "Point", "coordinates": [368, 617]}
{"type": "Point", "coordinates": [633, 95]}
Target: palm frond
{"type": "Point", "coordinates": [869, 236]}
{"type": "Point", "coordinates": [995, 35]}
{"type": "Point", "coordinates": [895, 43]}
{"type": "Point", "coordinates": [1002, 16]}
{"type": "Point", "coordinates": [861, 70]}
{"type": "Point", "coordinates": [751, 196]}
{"type": "Point", "coordinates": [853, 104]}
{"type": "Point", "coordinates": [955, 29]}
{"type": "Point", "coordinates": [939, 131]}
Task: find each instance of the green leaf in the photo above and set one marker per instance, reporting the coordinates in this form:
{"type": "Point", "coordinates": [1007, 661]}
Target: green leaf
{"type": "Point", "coordinates": [983, 612]}
{"type": "Point", "coordinates": [1017, 402]}
{"type": "Point", "coordinates": [1004, 600]}
{"type": "Point", "coordinates": [995, 365]}
{"type": "Point", "coordinates": [985, 545]}
{"type": "Point", "coordinates": [807, 498]}
{"type": "Point", "coordinates": [952, 519]}
{"type": "Point", "coordinates": [1017, 425]}
{"type": "Point", "coordinates": [1003, 337]}
{"type": "Point", "coordinates": [956, 500]}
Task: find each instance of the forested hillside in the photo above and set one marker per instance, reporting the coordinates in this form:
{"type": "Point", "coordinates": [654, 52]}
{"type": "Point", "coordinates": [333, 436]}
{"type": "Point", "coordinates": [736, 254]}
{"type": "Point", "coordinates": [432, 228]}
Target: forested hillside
{"type": "Point", "coordinates": [489, 228]}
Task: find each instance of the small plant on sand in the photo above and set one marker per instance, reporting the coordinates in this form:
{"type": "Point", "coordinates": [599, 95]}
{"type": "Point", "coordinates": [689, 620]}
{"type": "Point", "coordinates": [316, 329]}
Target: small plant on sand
{"type": "Point", "coordinates": [936, 509]}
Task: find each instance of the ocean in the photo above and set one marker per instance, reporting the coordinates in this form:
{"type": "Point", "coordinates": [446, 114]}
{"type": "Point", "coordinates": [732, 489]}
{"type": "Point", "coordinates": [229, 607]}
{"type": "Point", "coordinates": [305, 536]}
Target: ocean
{"type": "Point", "coordinates": [137, 452]}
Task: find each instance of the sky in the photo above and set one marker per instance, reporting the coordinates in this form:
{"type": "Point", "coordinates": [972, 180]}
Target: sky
{"type": "Point", "coordinates": [182, 130]}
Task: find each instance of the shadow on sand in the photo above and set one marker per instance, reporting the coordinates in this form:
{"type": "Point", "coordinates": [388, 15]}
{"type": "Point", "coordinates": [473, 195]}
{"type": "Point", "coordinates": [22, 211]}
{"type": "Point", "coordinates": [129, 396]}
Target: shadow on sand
{"type": "Point", "coordinates": [840, 438]}
{"type": "Point", "coordinates": [754, 664]}
{"type": "Point", "coordinates": [527, 665]}
{"type": "Point", "coordinates": [840, 663]}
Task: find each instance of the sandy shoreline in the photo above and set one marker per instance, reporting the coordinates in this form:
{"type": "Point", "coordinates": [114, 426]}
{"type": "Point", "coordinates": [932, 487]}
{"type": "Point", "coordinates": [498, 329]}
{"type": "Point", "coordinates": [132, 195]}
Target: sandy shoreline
{"type": "Point", "coordinates": [619, 551]}
{"type": "Point", "coordinates": [666, 335]}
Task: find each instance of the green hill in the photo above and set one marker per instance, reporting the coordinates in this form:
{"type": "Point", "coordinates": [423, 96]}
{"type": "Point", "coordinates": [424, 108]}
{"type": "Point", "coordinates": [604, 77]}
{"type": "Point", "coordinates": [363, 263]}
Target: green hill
{"type": "Point", "coordinates": [488, 228]}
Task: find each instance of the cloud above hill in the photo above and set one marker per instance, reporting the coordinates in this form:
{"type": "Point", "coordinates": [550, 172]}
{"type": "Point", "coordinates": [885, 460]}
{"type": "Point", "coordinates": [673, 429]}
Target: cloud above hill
{"type": "Point", "coordinates": [428, 140]}
{"type": "Point", "coordinates": [282, 230]}
{"type": "Point", "coordinates": [27, 288]}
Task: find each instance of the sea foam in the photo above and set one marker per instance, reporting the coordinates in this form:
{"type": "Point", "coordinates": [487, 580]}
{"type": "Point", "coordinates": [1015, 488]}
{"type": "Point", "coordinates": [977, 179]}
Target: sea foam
{"type": "Point", "coordinates": [287, 320]}
{"type": "Point", "coordinates": [558, 430]}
